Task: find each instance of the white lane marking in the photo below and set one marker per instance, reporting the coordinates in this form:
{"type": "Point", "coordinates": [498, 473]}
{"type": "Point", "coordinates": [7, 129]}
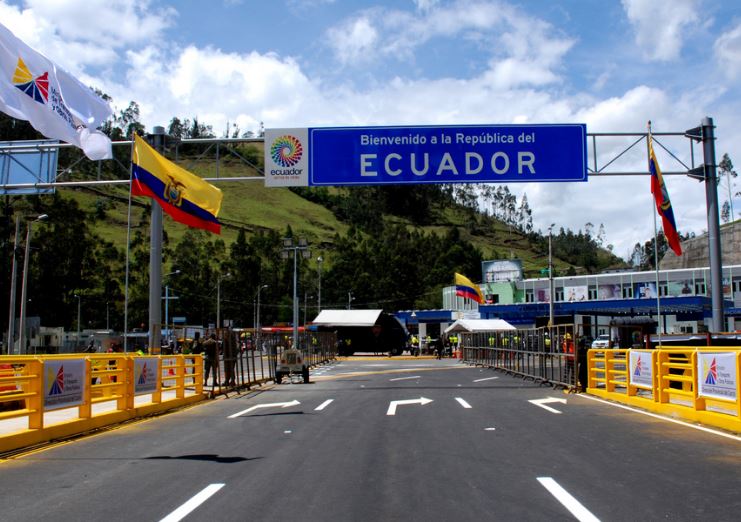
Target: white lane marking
{"type": "Point", "coordinates": [564, 497]}
{"type": "Point", "coordinates": [404, 378]}
{"type": "Point", "coordinates": [272, 405]}
{"type": "Point", "coordinates": [489, 429]}
{"type": "Point", "coordinates": [463, 403]}
{"type": "Point", "coordinates": [487, 379]}
{"type": "Point", "coordinates": [288, 431]}
{"type": "Point", "coordinates": [542, 403]}
{"type": "Point", "coordinates": [323, 405]}
{"type": "Point", "coordinates": [393, 404]}
{"type": "Point", "coordinates": [184, 510]}
{"type": "Point", "coordinates": [656, 416]}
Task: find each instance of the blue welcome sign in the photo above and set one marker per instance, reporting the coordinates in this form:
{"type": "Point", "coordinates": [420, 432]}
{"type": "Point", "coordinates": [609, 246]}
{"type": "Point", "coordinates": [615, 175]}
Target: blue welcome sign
{"type": "Point", "coordinates": [426, 154]}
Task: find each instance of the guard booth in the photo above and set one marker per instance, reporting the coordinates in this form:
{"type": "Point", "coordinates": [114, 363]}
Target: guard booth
{"type": "Point", "coordinates": [363, 331]}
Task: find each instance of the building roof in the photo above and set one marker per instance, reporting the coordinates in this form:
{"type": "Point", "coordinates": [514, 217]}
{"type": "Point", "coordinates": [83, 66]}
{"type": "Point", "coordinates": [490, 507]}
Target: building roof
{"type": "Point", "coordinates": [336, 318]}
{"type": "Point", "coordinates": [479, 325]}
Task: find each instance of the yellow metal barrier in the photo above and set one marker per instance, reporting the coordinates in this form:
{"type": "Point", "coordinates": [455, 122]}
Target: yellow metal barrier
{"type": "Point", "coordinates": [700, 385]}
{"type": "Point", "coordinates": [43, 398]}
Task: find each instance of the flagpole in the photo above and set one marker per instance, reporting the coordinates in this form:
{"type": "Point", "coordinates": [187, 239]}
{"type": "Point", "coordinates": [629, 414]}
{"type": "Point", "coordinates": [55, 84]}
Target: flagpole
{"type": "Point", "coordinates": [649, 144]}
{"type": "Point", "coordinates": [128, 248]}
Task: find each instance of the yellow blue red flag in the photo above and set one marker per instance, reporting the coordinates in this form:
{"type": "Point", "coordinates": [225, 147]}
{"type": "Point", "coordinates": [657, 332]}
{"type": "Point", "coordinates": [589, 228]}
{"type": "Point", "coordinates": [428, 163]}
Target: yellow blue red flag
{"type": "Point", "coordinates": [187, 198]}
{"type": "Point", "coordinates": [663, 203]}
{"type": "Point", "coordinates": [464, 287]}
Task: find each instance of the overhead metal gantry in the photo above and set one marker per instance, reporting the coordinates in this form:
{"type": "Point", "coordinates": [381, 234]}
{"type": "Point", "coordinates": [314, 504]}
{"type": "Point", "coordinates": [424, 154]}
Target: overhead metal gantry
{"type": "Point", "coordinates": [610, 154]}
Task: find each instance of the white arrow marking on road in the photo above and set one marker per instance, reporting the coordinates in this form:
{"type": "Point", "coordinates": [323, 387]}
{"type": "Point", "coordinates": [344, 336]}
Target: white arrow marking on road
{"type": "Point", "coordinates": [273, 405]}
{"type": "Point", "coordinates": [404, 378]}
{"type": "Point", "coordinates": [542, 403]}
{"type": "Point", "coordinates": [462, 402]}
{"type": "Point", "coordinates": [394, 404]}
{"type": "Point", "coordinates": [323, 405]}
{"type": "Point", "coordinates": [487, 379]}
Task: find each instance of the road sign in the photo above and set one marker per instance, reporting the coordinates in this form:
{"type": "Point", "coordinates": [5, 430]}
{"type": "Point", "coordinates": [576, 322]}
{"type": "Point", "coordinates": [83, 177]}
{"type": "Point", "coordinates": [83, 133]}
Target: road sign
{"type": "Point", "coordinates": [425, 154]}
{"type": "Point", "coordinates": [178, 319]}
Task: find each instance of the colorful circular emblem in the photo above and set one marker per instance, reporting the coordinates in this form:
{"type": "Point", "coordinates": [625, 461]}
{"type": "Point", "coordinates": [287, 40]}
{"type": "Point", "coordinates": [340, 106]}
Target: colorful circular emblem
{"type": "Point", "coordinates": [286, 151]}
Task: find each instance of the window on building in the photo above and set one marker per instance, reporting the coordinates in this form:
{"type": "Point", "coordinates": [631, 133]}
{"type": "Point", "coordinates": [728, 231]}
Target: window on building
{"type": "Point", "coordinates": [663, 289]}
{"type": "Point", "coordinates": [627, 292]}
{"type": "Point", "coordinates": [559, 294]}
{"type": "Point", "coordinates": [700, 288]}
{"type": "Point", "coordinates": [529, 296]}
{"type": "Point", "coordinates": [593, 293]}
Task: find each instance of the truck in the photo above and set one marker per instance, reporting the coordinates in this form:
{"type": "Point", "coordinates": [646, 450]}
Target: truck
{"type": "Point", "coordinates": [364, 331]}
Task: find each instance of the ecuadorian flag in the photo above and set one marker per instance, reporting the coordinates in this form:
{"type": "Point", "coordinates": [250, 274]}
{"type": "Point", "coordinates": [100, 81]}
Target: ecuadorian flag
{"type": "Point", "coordinates": [464, 287]}
{"type": "Point", "coordinates": [663, 203]}
{"type": "Point", "coordinates": [187, 198]}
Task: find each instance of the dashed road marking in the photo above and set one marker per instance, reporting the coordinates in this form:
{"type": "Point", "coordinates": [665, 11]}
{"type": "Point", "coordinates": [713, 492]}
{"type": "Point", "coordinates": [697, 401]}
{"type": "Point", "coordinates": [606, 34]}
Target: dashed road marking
{"type": "Point", "coordinates": [404, 378]}
{"type": "Point", "coordinates": [569, 502]}
{"type": "Point", "coordinates": [323, 405]}
{"type": "Point", "coordinates": [463, 403]}
{"type": "Point", "coordinates": [201, 497]}
{"type": "Point", "coordinates": [486, 379]}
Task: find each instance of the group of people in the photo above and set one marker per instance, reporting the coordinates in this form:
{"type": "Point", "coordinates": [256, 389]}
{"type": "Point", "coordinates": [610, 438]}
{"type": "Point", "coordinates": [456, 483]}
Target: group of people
{"type": "Point", "coordinates": [441, 347]}
{"type": "Point", "coordinates": [211, 349]}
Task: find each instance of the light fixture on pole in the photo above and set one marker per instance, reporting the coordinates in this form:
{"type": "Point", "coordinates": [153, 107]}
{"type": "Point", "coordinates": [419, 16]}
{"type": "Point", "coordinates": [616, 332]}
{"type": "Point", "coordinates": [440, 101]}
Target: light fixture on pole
{"type": "Point", "coordinates": [550, 275]}
{"type": "Point", "coordinates": [303, 247]}
{"type": "Point", "coordinates": [22, 326]}
{"type": "Point", "coordinates": [350, 299]}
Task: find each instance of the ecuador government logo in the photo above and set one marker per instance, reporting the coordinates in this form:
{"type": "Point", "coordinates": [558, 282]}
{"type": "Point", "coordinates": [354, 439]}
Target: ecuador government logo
{"type": "Point", "coordinates": [286, 151]}
{"type": "Point", "coordinates": [711, 376]}
{"type": "Point", "coordinates": [57, 383]}
{"type": "Point", "coordinates": [37, 88]}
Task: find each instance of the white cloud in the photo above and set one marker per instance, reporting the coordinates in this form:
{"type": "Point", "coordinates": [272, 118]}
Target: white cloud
{"type": "Point", "coordinates": [727, 50]}
{"type": "Point", "coordinates": [661, 27]}
{"type": "Point", "coordinates": [354, 40]}
{"type": "Point", "coordinates": [425, 5]}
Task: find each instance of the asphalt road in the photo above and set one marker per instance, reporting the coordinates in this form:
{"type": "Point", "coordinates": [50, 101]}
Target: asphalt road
{"type": "Point", "coordinates": [341, 450]}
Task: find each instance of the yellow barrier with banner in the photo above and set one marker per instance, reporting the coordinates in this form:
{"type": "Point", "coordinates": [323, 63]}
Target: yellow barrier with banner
{"type": "Point", "coordinates": [48, 397]}
{"type": "Point", "coordinates": [700, 385]}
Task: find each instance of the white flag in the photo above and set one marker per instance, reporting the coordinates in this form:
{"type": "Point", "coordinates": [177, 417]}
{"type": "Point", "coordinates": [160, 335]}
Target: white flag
{"type": "Point", "coordinates": [33, 88]}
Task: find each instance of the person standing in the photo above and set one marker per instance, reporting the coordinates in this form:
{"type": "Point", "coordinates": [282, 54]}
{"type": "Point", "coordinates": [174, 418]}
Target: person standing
{"type": "Point", "coordinates": [211, 353]}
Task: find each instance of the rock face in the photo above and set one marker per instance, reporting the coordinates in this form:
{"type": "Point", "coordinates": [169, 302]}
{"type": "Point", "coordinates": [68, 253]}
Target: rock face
{"type": "Point", "coordinates": [695, 252]}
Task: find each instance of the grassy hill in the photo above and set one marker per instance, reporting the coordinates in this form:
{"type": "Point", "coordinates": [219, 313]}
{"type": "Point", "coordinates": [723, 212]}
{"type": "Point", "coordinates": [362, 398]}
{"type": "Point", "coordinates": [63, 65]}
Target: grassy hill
{"type": "Point", "coordinates": [249, 205]}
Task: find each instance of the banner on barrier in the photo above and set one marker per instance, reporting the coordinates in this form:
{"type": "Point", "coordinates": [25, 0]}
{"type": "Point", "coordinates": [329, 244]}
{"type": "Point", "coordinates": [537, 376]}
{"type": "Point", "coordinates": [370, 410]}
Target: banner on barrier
{"type": "Point", "coordinates": [145, 374]}
{"type": "Point", "coordinates": [63, 383]}
{"type": "Point", "coordinates": [716, 375]}
{"type": "Point", "coordinates": [641, 369]}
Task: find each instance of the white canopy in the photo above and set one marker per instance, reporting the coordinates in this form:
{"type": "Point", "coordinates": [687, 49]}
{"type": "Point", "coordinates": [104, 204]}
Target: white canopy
{"type": "Point", "coordinates": [335, 318]}
{"type": "Point", "coordinates": [479, 325]}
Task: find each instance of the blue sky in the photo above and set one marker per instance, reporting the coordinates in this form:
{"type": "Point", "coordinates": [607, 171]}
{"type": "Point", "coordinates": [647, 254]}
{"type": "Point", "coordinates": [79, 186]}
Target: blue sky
{"type": "Point", "coordinates": [611, 64]}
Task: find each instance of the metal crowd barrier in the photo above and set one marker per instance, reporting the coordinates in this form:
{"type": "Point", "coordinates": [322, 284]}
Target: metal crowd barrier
{"type": "Point", "coordinates": [43, 398]}
{"type": "Point", "coordinates": [537, 354]}
{"type": "Point", "coordinates": [696, 384]}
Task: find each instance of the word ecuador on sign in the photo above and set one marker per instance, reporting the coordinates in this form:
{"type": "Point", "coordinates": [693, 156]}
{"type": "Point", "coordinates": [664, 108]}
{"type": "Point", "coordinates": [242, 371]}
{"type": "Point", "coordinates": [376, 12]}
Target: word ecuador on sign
{"type": "Point", "coordinates": [425, 154]}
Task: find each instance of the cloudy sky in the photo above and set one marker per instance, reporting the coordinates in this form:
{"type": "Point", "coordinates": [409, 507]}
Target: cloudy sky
{"type": "Point", "coordinates": [611, 64]}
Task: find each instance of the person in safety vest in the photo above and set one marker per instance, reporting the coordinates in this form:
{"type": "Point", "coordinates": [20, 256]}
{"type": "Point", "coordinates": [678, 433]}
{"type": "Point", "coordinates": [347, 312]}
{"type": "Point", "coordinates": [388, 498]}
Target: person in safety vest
{"type": "Point", "coordinates": [568, 349]}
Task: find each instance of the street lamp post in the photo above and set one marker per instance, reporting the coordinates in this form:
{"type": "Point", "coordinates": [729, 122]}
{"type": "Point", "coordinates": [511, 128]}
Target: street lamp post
{"type": "Point", "coordinates": [350, 299]}
{"type": "Point", "coordinates": [22, 325]}
{"type": "Point", "coordinates": [319, 260]}
{"type": "Point", "coordinates": [257, 319]}
{"type": "Point", "coordinates": [167, 306]}
{"type": "Point", "coordinates": [218, 298]}
{"type": "Point", "coordinates": [289, 246]}
{"type": "Point", "coordinates": [77, 341]}
{"type": "Point", "coordinates": [550, 275]}
{"type": "Point", "coordinates": [13, 278]}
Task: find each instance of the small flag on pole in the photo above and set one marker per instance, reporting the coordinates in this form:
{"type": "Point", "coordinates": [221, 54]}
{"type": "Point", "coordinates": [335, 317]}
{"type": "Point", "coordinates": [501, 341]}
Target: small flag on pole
{"type": "Point", "coordinates": [663, 203]}
{"type": "Point", "coordinates": [187, 198]}
{"type": "Point", "coordinates": [464, 287]}
{"type": "Point", "coordinates": [56, 104]}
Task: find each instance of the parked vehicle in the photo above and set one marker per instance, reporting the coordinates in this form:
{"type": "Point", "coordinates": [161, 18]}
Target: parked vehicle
{"type": "Point", "coordinates": [602, 341]}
